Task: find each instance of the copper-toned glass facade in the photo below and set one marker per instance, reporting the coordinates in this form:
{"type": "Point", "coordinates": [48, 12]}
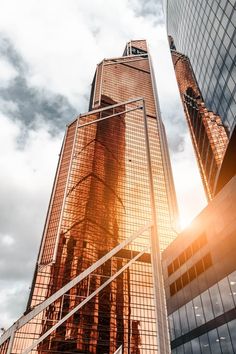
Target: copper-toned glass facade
{"type": "Point", "coordinates": [101, 196]}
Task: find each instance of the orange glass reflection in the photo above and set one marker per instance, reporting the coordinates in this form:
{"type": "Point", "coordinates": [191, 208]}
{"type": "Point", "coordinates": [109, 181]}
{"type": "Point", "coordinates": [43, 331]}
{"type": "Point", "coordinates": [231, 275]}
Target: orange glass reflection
{"type": "Point", "coordinates": [208, 134]}
{"type": "Point", "coordinates": [100, 198]}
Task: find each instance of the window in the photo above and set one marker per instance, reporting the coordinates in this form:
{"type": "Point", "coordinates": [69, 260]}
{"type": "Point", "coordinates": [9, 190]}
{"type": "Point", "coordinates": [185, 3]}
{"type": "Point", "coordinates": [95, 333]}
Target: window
{"type": "Point", "coordinates": [216, 300]}
{"type": "Point", "coordinates": [226, 294]}
{"type": "Point", "coordinates": [193, 248]}
{"type": "Point", "coordinates": [207, 306]}
{"type": "Point", "coordinates": [137, 51]}
{"type": "Point", "coordinates": [193, 272]}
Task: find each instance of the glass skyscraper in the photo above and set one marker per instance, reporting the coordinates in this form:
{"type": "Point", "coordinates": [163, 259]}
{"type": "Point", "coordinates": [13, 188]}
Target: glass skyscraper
{"type": "Point", "coordinates": [205, 32]}
{"type": "Point", "coordinates": [113, 180]}
{"type": "Point", "coordinates": [202, 39]}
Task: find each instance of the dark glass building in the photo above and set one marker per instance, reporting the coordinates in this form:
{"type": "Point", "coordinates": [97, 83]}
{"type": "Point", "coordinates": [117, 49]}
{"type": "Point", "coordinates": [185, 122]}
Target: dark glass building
{"type": "Point", "coordinates": [202, 39]}
{"type": "Point", "coordinates": [200, 280]}
{"type": "Point", "coordinates": [199, 266]}
{"type": "Point", "coordinates": [205, 32]}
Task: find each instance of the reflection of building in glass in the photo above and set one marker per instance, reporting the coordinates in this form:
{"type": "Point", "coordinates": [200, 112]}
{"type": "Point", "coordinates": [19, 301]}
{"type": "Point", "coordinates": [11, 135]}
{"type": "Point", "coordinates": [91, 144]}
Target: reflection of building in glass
{"type": "Point", "coordinates": [205, 32]}
{"type": "Point", "coordinates": [202, 41]}
{"type": "Point", "coordinates": [207, 131]}
{"type": "Point", "coordinates": [200, 280]}
{"type": "Point", "coordinates": [101, 197]}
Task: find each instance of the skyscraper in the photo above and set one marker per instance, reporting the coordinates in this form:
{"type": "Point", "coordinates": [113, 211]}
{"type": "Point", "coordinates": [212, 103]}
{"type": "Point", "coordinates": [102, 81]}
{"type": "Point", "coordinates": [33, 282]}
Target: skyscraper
{"type": "Point", "coordinates": [202, 42]}
{"type": "Point", "coordinates": [199, 266]}
{"type": "Point", "coordinates": [113, 184]}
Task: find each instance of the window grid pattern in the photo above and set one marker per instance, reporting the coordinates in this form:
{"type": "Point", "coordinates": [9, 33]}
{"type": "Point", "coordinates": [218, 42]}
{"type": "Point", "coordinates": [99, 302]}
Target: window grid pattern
{"type": "Point", "coordinates": [192, 273]}
{"type": "Point", "coordinates": [207, 306]}
{"type": "Point", "coordinates": [221, 340]}
{"type": "Point", "coordinates": [106, 199]}
{"type": "Point", "coordinates": [187, 253]}
{"type": "Point", "coordinates": [135, 77]}
{"type": "Point", "coordinates": [205, 32]}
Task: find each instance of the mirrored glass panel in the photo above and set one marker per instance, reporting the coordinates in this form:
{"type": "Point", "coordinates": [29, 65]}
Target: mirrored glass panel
{"type": "Point", "coordinates": [225, 340]}
{"type": "Point", "coordinates": [216, 300]}
{"type": "Point", "coordinates": [207, 306]}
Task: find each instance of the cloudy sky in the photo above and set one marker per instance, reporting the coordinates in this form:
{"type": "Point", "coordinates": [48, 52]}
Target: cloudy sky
{"type": "Point", "coordinates": [48, 55]}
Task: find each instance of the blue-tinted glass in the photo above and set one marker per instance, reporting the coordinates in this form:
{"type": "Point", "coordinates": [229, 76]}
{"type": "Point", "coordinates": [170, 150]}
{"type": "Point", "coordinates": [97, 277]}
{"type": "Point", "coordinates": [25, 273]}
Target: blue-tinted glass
{"type": "Point", "coordinates": [198, 311]}
{"type": "Point", "coordinates": [214, 341]}
{"type": "Point", "coordinates": [207, 10]}
{"type": "Point", "coordinates": [195, 346]}
{"type": "Point", "coordinates": [233, 106]}
{"type": "Point", "coordinates": [204, 344]}
{"type": "Point", "coordinates": [188, 348]}
{"type": "Point", "coordinates": [216, 24]}
{"type": "Point", "coordinates": [228, 61]}
{"type": "Point", "coordinates": [211, 17]}
{"type": "Point", "coordinates": [226, 294]}
{"type": "Point", "coordinates": [207, 306]}
{"type": "Point", "coordinates": [226, 40]}
{"type": "Point", "coordinates": [216, 300]}
{"type": "Point", "coordinates": [227, 93]}
{"type": "Point", "coordinates": [225, 340]}
{"type": "Point", "coordinates": [191, 315]}
{"type": "Point", "coordinates": [177, 324]}
{"type": "Point", "coordinates": [171, 327]}
{"type": "Point", "coordinates": [228, 10]}
{"type": "Point", "coordinates": [232, 282]}
{"type": "Point", "coordinates": [224, 104]}
{"type": "Point", "coordinates": [232, 50]}
{"type": "Point", "coordinates": [207, 30]}
{"type": "Point", "coordinates": [230, 117]}
{"type": "Point", "coordinates": [232, 332]}
{"type": "Point", "coordinates": [180, 350]}
{"type": "Point", "coordinates": [223, 3]}
{"type": "Point", "coordinates": [231, 84]}
{"type": "Point", "coordinates": [183, 320]}
{"type": "Point", "coordinates": [219, 13]}
{"type": "Point", "coordinates": [214, 6]}
{"type": "Point", "coordinates": [225, 72]}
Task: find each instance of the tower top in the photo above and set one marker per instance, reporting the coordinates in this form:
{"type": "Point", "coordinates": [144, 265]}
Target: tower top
{"type": "Point", "coordinates": [136, 47]}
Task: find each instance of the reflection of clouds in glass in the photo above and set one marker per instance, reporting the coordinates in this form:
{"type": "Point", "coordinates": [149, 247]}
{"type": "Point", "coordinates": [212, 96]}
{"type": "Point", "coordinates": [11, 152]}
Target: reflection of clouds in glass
{"type": "Point", "coordinates": [220, 340]}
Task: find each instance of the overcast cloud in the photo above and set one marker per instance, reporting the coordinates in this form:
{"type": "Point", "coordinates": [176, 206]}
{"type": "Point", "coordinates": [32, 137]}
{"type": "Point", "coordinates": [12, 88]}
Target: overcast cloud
{"type": "Point", "coordinates": [48, 55]}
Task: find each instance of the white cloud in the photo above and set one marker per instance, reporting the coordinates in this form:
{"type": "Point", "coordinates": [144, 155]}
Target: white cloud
{"type": "Point", "coordinates": [22, 167]}
{"type": "Point", "coordinates": [7, 72]}
{"type": "Point", "coordinates": [63, 41]}
{"type": "Point", "coordinates": [7, 240]}
{"type": "Point", "coordinates": [26, 179]}
{"type": "Point", "coordinates": [12, 301]}
{"type": "Point", "coordinates": [9, 106]}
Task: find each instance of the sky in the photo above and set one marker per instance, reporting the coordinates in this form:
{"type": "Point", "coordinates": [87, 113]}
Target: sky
{"type": "Point", "coordinates": [48, 55]}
